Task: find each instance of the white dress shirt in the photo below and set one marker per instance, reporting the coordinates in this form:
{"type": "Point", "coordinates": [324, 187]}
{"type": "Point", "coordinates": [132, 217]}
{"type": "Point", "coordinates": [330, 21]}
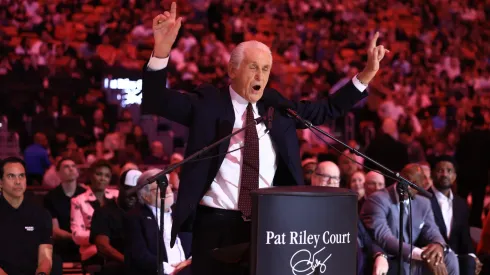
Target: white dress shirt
{"type": "Point", "coordinates": [224, 190]}
{"type": "Point", "coordinates": [176, 254]}
{"type": "Point", "coordinates": [446, 205]}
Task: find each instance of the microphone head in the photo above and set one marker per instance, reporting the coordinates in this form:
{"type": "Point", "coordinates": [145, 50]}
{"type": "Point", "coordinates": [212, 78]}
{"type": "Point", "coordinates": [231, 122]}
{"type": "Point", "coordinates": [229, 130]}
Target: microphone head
{"type": "Point", "coordinates": [275, 100]}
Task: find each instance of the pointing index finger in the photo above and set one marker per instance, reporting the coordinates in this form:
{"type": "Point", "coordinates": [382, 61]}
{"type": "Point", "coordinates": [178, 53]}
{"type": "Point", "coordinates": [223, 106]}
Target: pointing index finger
{"type": "Point", "coordinates": [374, 40]}
{"type": "Point", "coordinates": [173, 10]}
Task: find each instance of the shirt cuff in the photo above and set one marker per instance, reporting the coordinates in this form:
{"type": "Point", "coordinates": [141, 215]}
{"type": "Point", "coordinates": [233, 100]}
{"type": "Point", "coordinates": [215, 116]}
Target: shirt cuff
{"type": "Point", "coordinates": [167, 268]}
{"type": "Point", "coordinates": [417, 254]}
{"type": "Point", "coordinates": [156, 64]}
{"type": "Point", "coordinates": [472, 255]}
{"type": "Point", "coordinates": [361, 87]}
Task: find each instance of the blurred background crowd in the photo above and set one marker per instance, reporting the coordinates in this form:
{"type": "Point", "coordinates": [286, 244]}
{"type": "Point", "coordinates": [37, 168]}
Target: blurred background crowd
{"type": "Point", "coordinates": [430, 98]}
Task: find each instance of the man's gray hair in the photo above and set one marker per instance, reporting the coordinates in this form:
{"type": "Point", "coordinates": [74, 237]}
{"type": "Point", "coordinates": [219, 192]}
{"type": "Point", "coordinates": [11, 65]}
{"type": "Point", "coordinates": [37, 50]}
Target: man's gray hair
{"type": "Point", "coordinates": [143, 180]}
{"type": "Point", "coordinates": [238, 52]}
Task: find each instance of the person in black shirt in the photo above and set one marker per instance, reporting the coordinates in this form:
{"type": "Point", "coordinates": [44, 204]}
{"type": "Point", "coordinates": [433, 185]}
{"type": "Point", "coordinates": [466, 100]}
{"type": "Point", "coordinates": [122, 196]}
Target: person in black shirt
{"type": "Point", "coordinates": [107, 225]}
{"type": "Point", "coordinates": [25, 231]}
{"type": "Point", "coordinates": [58, 202]}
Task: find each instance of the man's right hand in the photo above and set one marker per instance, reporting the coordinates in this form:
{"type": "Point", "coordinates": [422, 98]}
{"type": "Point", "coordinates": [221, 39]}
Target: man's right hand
{"type": "Point", "coordinates": [165, 30]}
{"type": "Point", "coordinates": [437, 269]}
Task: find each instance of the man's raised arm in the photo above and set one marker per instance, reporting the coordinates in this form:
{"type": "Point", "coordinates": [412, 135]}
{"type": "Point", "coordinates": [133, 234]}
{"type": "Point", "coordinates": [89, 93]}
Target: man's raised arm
{"type": "Point", "coordinates": [157, 98]}
{"type": "Point", "coordinates": [344, 99]}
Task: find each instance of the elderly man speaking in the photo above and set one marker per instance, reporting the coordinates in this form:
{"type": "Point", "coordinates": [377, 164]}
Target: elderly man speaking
{"type": "Point", "coordinates": [214, 196]}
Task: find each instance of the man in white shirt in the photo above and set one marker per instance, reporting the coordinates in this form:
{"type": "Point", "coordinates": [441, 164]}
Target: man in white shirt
{"type": "Point", "coordinates": [141, 228]}
{"type": "Point", "coordinates": [214, 193]}
{"type": "Point", "coordinates": [452, 215]}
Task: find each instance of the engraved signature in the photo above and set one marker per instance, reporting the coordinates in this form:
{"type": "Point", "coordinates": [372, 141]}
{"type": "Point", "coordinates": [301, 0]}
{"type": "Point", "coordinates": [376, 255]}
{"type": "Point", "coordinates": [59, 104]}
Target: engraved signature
{"type": "Point", "coordinates": [304, 263]}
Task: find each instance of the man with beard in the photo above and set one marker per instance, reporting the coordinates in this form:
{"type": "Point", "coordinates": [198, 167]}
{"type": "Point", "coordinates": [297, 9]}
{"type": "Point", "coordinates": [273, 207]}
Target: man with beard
{"type": "Point", "coordinates": [107, 225]}
{"type": "Point", "coordinates": [452, 215]}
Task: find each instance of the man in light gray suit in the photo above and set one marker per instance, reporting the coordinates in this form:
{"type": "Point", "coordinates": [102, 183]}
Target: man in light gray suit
{"type": "Point", "coordinates": [380, 215]}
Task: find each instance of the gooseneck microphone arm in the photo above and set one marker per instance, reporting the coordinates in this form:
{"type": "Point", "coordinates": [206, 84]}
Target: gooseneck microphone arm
{"type": "Point", "coordinates": [400, 178]}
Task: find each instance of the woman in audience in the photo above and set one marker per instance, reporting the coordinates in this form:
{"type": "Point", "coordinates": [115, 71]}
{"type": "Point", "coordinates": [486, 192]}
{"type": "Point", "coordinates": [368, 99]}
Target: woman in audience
{"type": "Point", "coordinates": [84, 205]}
{"type": "Point", "coordinates": [356, 183]}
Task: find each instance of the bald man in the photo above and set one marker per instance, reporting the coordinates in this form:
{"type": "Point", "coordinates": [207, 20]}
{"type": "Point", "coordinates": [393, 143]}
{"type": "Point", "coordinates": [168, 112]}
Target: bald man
{"type": "Point", "coordinates": [374, 182]}
{"type": "Point", "coordinates": [380, 215]}
{"type": "Point", "coordinates": [327, 173]}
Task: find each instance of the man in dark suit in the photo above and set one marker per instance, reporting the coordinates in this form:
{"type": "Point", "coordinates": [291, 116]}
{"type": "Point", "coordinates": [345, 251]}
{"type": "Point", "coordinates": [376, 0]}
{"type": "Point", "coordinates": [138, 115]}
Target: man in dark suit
{"type": "Point", "coordinates": [452, 215]}
{"type": "Point", "coordinates": [141, 231]}
{"type": "Point", "coordinates": [214, 194]}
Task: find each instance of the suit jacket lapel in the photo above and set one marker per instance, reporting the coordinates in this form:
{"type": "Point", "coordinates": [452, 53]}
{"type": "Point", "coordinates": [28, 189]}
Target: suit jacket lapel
{"type": "Point", "coordinates": [457, 216]}
{"type": "Point", "coordinates": [151, 229]}
{"type": "Point", "coordinates": [226, 122]}
{"type": "Point", "coordinates": [394, 209]}
{"type": "Point", "coordinates": [438, 215]}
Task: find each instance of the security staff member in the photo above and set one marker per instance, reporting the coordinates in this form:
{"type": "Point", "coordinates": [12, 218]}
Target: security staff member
{"type": "Point", "coordinates": [25, 231]}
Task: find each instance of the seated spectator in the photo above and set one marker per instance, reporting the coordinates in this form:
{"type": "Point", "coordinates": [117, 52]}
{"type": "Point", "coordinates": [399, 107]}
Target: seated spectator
{"type": "Point", "coordinates": [158, 156]}
{"type": "Point", "coordinates": [84, 205]}
{"type": "Point", "coordinates": [25, 231]}
{"type": "Point", "coordinates": [427, 174]}
{"type": "Point", "coordinates": [374, 182]}
{"type": "Point", "coordinates": [309, 166]}
{"type": "Point", "coordinates": [107, 225]}
{"type": "Point", "coordinates": [327, 173]}
{"type": "Point", "coordinates": [58, 202]}
{"type": "Point", "coordinates": [386, 149]}
{"type": "Point", "coordinates": [347, 167]}
{"type": "Point", "coordinates": [452, 215]}
{"type": "Point", "coordinates": [141, 229]}
{"type": "Point", "coordinates": [356, 184]}
{"type": "Point", "coordinates": [37, 160]}
{"type": "Point", "coordinates": [380, 215]}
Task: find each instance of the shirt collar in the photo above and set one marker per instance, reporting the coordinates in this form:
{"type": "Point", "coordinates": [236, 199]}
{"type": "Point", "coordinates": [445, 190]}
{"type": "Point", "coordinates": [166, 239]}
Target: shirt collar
{"type": "Point", "coordinates": [156, 211]}
{"type": "Point", "coordinates": [440, 196]}
{"type": "Point", "coordinates": [108, 194]}
{"type": "Point", "coordinates": [240, 103]}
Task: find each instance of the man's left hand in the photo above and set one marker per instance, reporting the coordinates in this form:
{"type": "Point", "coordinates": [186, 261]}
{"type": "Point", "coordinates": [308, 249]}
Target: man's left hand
{"type": "Point", "coordinates": [380, 266]}
{"type": "Point", "coordinates": [433, 253]}
{"type": "Point", "coordinates": [180, 266]}
{"type": "Point", "coordinates": [479, 266]}
{"type": "Point", "coordinates": [374, 55]}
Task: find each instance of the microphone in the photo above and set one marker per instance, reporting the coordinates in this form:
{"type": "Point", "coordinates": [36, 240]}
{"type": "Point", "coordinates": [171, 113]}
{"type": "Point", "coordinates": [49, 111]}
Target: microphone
{"type": "Point", "coordinates": [270, 117]}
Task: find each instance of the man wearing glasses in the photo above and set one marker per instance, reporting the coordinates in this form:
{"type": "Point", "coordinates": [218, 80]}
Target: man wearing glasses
{"type": "Point", "coordinates": [327, 173]}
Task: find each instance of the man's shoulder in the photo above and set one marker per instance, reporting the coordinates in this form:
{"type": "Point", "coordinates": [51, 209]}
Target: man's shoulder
{"type": "Point", "coordinates": [383, 194]}
{"type": "Point", "coordinates": [136, 213]}
{"type": "Point", "coordinates": [205, 90]}
{"type": "Point", "coordinates": [36, 211]}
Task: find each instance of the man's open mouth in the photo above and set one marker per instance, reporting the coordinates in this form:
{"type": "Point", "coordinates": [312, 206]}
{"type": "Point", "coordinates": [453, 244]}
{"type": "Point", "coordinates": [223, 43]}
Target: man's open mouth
{"type": "Point", "coordinates": [256, 87]}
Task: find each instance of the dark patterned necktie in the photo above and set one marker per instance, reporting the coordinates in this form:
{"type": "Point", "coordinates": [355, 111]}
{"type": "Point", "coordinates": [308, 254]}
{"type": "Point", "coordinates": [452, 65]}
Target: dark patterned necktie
{"type": "Point", "coordinates": [250, 165]}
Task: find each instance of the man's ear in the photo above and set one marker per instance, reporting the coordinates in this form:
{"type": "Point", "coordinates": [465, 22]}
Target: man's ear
{"type": "Point", "coordinates": [231, 71]}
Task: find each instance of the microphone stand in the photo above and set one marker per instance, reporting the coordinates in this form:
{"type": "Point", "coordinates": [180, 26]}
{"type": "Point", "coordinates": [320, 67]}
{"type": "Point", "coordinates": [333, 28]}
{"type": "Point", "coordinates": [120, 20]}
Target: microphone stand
{"type": "Point", "coordinates": [403, 183]}
{"type": "Point", "coordinates": [161, 179]}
